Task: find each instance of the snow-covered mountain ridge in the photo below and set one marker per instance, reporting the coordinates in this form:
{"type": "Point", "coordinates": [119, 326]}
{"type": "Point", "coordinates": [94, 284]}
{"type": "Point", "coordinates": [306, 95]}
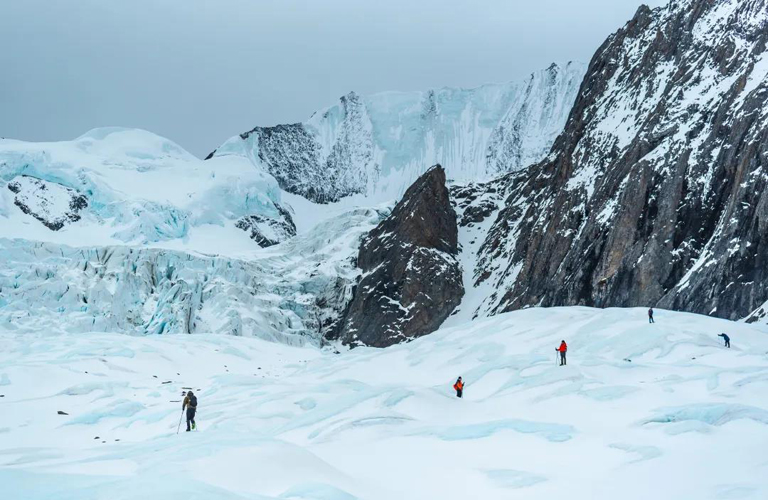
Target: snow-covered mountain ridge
{"type": "Point", "coordinates": [380, 144]}
{"type": "Point", "coordinates": [655, 192]}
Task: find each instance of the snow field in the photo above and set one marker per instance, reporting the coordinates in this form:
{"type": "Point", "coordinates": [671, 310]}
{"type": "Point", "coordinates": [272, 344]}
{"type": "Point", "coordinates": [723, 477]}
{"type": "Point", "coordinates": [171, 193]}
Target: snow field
{"type": "Point", "coordinates": [641, 411]}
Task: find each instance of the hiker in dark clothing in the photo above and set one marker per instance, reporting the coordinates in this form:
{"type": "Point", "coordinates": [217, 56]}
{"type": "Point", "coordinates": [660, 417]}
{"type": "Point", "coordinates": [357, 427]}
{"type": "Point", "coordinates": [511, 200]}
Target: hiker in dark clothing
{"type": "Point", "coordinates": [650, 315]}
{"type": "Point", "coordinates": [562, 350]}
{"type": "Point", "coordinates": [459, 386]}
{"type": "Point", "coordinates": [190, 403]}
{"type": "Point", "coordinates": [727, 340]}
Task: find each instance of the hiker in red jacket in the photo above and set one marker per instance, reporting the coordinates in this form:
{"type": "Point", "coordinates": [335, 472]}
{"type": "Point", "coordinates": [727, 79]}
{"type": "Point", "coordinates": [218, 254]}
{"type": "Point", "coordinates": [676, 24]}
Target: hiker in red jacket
{"type": "Point", "coordinates": [562, 350]}
{"type": "Point", "coordinates": [459, 386]}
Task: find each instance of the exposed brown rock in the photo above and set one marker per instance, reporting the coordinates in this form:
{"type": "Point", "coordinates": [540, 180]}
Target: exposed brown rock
{"type": "Point", "coordinates": [411, 278]}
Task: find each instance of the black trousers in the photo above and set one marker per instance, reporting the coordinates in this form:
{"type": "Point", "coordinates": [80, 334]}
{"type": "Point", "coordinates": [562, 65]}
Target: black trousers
{"type": "Point", "coordinates": [728, 344]}
{"type": "Point", "coordinates": [562, 358]}
{"type": "Point", "coordinates": [190, 417]}
{"type": "Point", "coordinates": [459, 392]}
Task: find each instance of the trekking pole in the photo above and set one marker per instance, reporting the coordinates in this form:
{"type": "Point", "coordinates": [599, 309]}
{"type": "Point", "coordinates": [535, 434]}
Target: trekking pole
{"type": "Point", "coordinates": [180, 418]}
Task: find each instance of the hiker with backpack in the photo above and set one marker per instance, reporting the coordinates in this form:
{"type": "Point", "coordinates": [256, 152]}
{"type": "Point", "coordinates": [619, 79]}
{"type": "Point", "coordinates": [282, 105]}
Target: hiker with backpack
{"type": "Point", "coordinates": [190, 404]}
{"type": "Point", "coordinates": [650, 315]}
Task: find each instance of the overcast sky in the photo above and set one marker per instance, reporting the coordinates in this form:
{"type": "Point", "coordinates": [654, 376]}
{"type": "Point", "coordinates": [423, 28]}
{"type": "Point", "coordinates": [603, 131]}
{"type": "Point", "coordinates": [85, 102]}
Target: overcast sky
{"type": "Point", "coordinates": [200, 71]}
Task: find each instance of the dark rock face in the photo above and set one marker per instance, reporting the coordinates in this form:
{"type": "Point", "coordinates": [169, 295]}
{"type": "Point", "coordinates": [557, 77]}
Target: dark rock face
{"type": "Point", "coordinates": [655, 193]}
{"type": "Point", "coordinates": [52, 204]}
{"type": "Point", "coordinates": [411, 280]}
{"type": "Point", "coordinates": [294, 156]}
{"type": "Point", "coordinates": [268, 231]}
{"type": "Point", "coordinates": [475, 202]}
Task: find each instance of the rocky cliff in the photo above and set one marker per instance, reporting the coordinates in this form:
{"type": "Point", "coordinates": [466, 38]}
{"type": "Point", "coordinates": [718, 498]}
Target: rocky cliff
{"type": "Point", "coordinates": [655, 192]}
{"type": "Point", "coordinates": [411, 277]}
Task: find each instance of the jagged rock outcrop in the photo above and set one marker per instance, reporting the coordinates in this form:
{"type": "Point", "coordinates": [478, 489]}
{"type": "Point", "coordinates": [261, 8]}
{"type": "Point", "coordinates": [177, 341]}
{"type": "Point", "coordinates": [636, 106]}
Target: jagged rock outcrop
{"type": "Point", "coordinates": [411, 277]}
{"type": "Point", "coordinates": [380, 144]}
{"type": "Point", "coordinates": [655, 193]}
{"type": "Point", "coordinates": [52, 204]}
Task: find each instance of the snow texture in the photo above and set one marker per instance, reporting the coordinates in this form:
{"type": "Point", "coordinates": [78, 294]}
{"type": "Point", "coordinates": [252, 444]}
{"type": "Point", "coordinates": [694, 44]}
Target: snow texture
{"type": "Point", "coordinates": [676, 414]}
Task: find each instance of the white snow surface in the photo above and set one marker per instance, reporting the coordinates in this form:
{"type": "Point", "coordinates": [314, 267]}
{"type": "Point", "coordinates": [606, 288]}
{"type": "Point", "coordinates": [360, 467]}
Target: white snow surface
{"type": "Point", "coordinates": [641, 411]}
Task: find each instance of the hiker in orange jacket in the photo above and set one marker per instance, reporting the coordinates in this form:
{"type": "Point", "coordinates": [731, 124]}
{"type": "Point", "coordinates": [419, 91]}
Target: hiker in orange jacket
{"type": "Point", "coordinates": [562, 350]}
{"type": "Point", "coordinates": [459, 386]}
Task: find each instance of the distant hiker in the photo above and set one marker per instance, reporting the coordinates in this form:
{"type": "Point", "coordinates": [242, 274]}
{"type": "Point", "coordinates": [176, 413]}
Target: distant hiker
{"type": "Point", "coordinates": [650, 315]}
{"type": "Point", "coordinates": [562, 350]}
{"type": "Point", "coordinates": [727, 340]}
{"type": "Point", "coordinates": [459, 386]}
{"type": "Point", "coordinates": [190, 403]}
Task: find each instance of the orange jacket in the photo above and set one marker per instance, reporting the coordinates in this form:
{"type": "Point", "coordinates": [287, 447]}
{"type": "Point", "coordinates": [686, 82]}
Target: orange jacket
{"type": "Point", "coordinates": [563, 347]}
{"type": "Point", "coordinates": [459, 385]}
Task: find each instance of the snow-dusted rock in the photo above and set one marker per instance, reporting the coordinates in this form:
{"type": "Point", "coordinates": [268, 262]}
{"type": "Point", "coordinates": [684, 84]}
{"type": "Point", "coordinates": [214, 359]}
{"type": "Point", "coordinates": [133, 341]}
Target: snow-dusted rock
{"type": "Point", "coordinates": [411, 277]}
{"type": "Point", "coordinates": [656, 191]}
{"type": "Point", "coordinates": [52, 204]}
{"type": "Point", "coordinates": [268, 231]}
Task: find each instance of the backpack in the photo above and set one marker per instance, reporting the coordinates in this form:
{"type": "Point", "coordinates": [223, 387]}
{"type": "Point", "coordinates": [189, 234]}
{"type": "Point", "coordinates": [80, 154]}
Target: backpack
{"type": "Point", "coordinates": [193, 401]}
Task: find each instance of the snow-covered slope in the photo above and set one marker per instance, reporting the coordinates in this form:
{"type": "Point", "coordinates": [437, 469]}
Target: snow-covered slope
{"type": "Point", "coordinates": [126, 186]}
{"type": "Point", "coordinates": [380, 144]}
{"type": "Point", "coordinates": [640, 412]}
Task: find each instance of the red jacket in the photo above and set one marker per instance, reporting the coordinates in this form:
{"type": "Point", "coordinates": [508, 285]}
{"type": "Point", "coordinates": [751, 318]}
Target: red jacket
{"type": "Point", "coordinates": [459, 385]}
{"type": "Point", "coordinates": [563, 347]}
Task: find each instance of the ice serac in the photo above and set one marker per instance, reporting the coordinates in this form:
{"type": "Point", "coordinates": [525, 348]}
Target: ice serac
{"type": "Point", "coordinates": [380, 144]}
{"type": "Point", "coordinates": [655, 192]}
{"type": "Point", "coordinates": [292, 294]}
{"type": "Point", "coordinates": [411, 277]}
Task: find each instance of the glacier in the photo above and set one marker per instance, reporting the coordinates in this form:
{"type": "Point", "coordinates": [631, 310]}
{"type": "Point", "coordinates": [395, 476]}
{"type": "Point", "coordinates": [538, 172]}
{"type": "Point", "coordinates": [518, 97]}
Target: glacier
{"type": "Point", "coordinates": [379, 145]}
{"type": "Point", "coordinates": [641, 411]}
